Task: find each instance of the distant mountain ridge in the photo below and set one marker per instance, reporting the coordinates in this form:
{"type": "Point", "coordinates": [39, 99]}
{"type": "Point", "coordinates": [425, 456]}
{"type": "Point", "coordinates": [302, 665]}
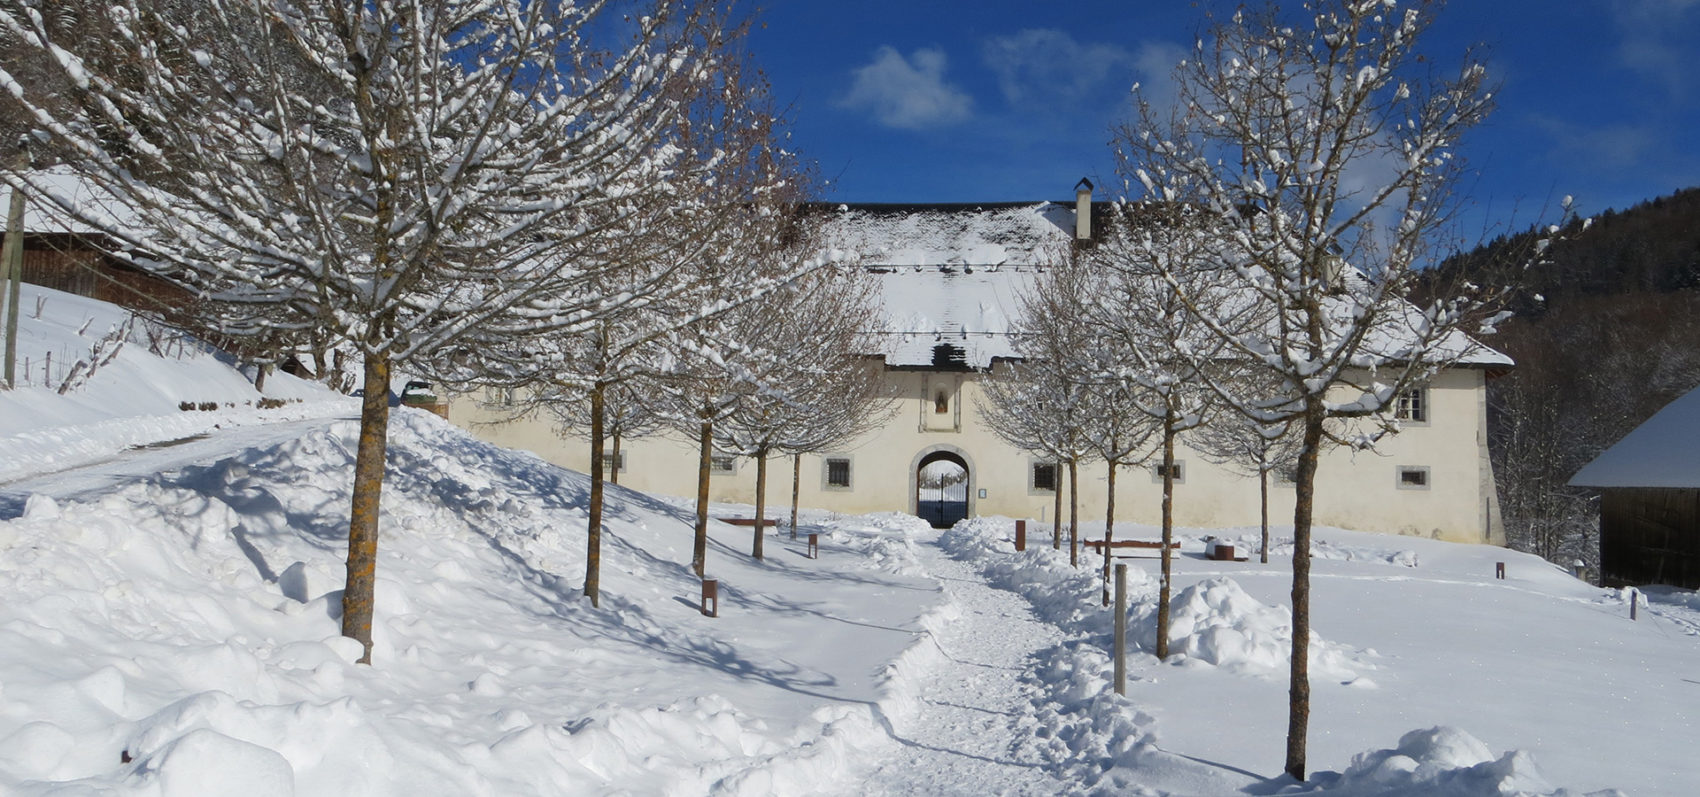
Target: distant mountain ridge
{"type": "Point", "coordinates": [1605, 334]}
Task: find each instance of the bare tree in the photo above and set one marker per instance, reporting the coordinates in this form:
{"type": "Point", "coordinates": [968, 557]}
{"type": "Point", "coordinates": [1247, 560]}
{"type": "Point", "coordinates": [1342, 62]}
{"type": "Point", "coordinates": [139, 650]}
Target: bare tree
{"type": "Point", "coordinates": [1140, 326]}
{"type": "Point", "coordinates": [1321, 144]}
{"type": "Point", "coordinates": [1040, 403]}
{"type": "Point", "coordinates": [403, 175]}
{"type": "Point", "coordinates": [1253, 449]}
{"type": "Point", "coordinates": [1111, 423]}
{"type": "Point", "coordinates": [816, 386]}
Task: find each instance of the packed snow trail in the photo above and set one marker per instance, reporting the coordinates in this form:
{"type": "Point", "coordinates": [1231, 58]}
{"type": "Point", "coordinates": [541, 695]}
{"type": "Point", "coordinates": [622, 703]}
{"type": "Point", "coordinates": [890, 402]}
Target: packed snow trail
{"type": "Point", "coordinates": [89, 480]}
{"type": "Point", "coordinates": [972, 709]}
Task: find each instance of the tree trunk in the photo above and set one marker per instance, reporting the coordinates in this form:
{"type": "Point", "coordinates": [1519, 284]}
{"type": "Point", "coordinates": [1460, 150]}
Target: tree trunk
{"type": "Point", "coordinates": [614, 474]}
{"type": "Point", "coordinates": [593, 545]}
{"type": "Point", "coordinates": [1168, 535]}
{"type": "Point", "coordinates": [761, 501]}
{"type": "Point", "coordinates": [699, 548]}
{"type": "Point", "coordinates": [1074, 513]}
{"type": "Point", "coordinates": [260, 377]}
{"type": "Point", "coordinates": [1263, 490]}
{"type": "Point", "coordinates": [1056, 509]}
{"type": "Point", "coordinates": [1109, 530]}
{"type": "Point", "coordinates": [358, 590]}
{"type": "Point", "coordinates": [1298, 690]}
{"type": "Point", "coordinates": [796, 489]}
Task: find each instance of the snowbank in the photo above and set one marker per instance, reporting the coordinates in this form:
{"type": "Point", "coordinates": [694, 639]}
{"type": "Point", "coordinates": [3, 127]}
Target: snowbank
{"type": "Point", "coordinates": [1215, 622]}
{"type": "Point", "coordinates": [1443, 762]}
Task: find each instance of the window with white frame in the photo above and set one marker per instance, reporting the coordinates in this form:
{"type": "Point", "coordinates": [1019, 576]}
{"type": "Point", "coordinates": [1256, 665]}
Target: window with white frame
{"type": "Point", "coordinates": [836, 473]}
{"type": "Point", "coordinates": [1413, 477]}
{"type": "Point", "coordinates": [1178, 469]}
{"type": "Point", "coordinates": [1042, 477]}
{"type": "Point", "coordinates": [1412, 406]}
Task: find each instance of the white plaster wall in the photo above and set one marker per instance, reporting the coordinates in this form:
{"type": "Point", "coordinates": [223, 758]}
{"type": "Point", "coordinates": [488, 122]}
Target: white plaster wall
{"type": "Point", "coordinates": [1357, 490]}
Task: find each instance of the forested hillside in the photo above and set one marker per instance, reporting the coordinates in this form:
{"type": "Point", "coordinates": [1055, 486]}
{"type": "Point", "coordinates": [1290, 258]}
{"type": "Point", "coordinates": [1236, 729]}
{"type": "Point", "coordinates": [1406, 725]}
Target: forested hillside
{"type": "Point", "coordinates": [1606, 333]}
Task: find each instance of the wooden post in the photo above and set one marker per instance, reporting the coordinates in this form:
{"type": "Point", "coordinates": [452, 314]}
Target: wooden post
{"type": "Point", "coordinates": [814, 545]}
{"type": "Point", "coordinates": [1121, 629]}
{"type": "Point", "coordinates": [711, 597]}
{"type": "Point", "coordinates": [11, 261]}
{"type": "Point", "coordinates": [1634, 604]}
{"type": "Point", "coordinates": [1499, 570]}
{"type": "Point", "coordinates": [1020, 535]}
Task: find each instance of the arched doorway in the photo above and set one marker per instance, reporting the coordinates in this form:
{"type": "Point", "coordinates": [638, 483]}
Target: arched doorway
{"type": "Point", "coordinates": [942, 483]}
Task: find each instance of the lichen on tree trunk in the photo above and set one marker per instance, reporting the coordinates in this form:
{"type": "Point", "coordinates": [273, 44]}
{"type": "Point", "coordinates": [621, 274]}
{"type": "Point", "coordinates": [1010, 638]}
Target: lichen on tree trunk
{"type": "Point", "coordinates": [1298, 688]}
{"type": "Point", "coordinates": [358, 590]}
{"type": "Point", "coordinates": [761, 503]}
{"type": "Point", "coordinates": [593, 541]}
{"type": "Point", "coordinates": [705, 454]}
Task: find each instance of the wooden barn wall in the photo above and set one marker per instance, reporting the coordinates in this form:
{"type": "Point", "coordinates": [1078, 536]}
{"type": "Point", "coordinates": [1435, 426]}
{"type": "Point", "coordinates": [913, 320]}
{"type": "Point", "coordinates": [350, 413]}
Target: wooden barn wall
{"type": "Point", "coordinates": [61, 263]}
{"type": "Point", "coordinates": [1650, 536]}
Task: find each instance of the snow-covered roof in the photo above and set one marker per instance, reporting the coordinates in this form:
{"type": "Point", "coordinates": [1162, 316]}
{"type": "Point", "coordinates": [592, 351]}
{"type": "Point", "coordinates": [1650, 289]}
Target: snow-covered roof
{"type": "Point", "coordinates": [952, 274]}
{"type": "Point", "coordinates": [1663, 452]}
{"type": "Point", "coordinates": [41, 216]}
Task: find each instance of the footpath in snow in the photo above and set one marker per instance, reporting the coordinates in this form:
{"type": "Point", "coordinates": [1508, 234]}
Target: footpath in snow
{"type": "Point", "coordinates": [962, 723]}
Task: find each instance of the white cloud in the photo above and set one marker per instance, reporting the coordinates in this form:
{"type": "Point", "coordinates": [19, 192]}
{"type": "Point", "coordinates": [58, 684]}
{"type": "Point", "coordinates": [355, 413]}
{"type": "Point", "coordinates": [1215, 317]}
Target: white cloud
{"type": "Point", "coordinates": [1043, 65]}
{"type": "Point", "coordinates": [1155, 64]}
{"type": "Point", "coordinates": [909, 93]}
{"type": "Point", "coordinates": [1657, 39]}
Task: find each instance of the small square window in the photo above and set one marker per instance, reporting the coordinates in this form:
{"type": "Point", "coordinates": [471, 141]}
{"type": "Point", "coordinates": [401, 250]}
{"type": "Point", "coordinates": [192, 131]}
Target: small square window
{"type": "Point", "coordinates": [1413, 478]}
{"type": "Point", "coordinates": [1287, 476]}
{"type": "Point", "coordinates": [723, 463]}
{"type": "Point", "coordinates": [499, 396]}
{"type": "Point", "coordinates": [1412, 406]}
{"type": "Point", "coordinates": [837, 473]}
{"type": "Point", "coordinates": [1044, 477]}
{"type": "Point", "coordinates": [1178, 469]}
{"type": "Point", "coordinates": [612, 463]}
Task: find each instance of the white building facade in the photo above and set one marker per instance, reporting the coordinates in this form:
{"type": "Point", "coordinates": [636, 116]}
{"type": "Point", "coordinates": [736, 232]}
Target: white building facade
{"type": "Point", "coordinates": [950, 277]}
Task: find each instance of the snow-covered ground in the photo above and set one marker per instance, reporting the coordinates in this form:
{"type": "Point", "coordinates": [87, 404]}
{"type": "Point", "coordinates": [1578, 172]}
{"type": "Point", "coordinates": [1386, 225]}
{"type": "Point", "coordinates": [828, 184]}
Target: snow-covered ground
{"type": "Point", "coordinates": [168, 626]}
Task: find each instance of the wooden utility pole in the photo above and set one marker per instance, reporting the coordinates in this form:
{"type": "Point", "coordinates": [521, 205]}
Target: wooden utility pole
{"type": "Point", "coordinates": [12, 259]}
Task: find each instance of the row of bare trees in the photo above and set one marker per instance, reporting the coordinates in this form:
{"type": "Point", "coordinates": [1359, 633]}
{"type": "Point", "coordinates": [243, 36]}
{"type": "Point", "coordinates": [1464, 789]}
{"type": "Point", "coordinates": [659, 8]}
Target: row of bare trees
{"type": "Point", "coordinates": [572, 197]}
{"type": "Point", "coordinates": [1256, 280]}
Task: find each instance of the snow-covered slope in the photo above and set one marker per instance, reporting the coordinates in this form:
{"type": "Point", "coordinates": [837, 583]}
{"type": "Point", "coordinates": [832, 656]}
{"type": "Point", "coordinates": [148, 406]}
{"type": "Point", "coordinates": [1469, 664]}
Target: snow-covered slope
{"type": "Point", "coordinates": [183, 633]}
{"type": "Point", "coordinates": [143, 376]}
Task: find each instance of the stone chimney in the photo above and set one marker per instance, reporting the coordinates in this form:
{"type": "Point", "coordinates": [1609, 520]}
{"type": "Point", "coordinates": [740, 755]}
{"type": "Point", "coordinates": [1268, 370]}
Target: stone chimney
{"type": "Point", "coordinates": [1083, 211]}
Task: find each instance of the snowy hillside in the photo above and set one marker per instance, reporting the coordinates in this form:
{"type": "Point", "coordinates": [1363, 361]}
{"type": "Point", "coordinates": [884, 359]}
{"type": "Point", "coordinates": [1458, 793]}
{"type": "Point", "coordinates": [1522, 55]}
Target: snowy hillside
{"type": "Point", "coordinates": [171, 629]}
{"type": "Point", "coordinates": [142, 376]}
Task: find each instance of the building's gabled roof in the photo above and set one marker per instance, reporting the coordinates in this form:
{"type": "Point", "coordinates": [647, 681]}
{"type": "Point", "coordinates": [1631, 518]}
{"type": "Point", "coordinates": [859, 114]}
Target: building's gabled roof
{"type": "Point", "coordinates": [1662, 452]}
{"type": "Point", "coordinates": [951, 275]}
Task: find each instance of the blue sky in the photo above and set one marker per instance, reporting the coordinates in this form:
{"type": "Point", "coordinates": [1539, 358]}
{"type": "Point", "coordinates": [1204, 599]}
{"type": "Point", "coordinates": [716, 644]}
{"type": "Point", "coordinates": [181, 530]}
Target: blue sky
{"type": "Point", "coordinates": [933, 101]}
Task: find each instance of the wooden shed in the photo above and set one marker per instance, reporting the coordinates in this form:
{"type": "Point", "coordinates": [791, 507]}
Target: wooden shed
{"type": "Point", "coordinates": [1650, 500]}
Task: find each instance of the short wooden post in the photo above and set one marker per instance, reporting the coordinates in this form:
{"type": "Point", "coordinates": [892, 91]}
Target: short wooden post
{"type": "Point", "coordinates": [1634, 603]}
{"type": "Point", "coordinates": [1020, 535]}
{"type": "Point", "coordinates": [814, 545]}
{"type": "Point", "coordinates": [711, 597]}
{"type": "Point", "coordinates": [1121, 629]}
{"type": "Point", "coordinates": [1499, 570]}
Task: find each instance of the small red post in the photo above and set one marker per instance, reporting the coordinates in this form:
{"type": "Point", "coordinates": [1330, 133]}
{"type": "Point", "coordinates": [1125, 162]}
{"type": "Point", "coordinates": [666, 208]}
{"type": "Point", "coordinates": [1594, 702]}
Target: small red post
{"type": "Point", "coordinates": [1499, 570]}
{"type": "Point", "coordinates": [814, 545]}
{"type": "Point", "coordinates": [1020, 535]}
{"type": "Point", "coordinates": [711, 595]}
